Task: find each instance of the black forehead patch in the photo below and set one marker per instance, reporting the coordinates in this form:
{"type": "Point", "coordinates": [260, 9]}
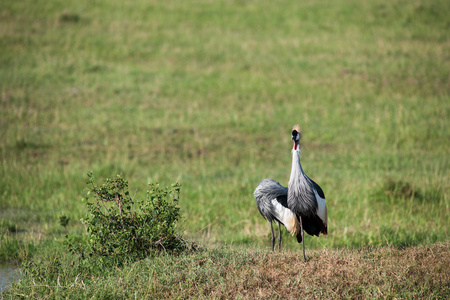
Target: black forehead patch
{"type": "Point", "coordinates": [294, 132]}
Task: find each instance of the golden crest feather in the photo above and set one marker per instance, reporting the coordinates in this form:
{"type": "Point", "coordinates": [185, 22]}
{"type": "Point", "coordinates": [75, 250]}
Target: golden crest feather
{"type": "Point", "coordinates": [298, 129]}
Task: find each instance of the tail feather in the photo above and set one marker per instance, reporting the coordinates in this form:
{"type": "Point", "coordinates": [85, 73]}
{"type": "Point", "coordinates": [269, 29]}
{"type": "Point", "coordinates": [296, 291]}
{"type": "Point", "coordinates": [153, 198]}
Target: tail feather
{"type": "Point", "coordinates": [293, 226]}
{"type": "Point", "coordinates": [299, 237]}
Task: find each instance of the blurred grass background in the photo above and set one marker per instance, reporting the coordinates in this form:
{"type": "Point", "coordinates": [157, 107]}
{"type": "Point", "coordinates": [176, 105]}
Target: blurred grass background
{"type": "Point", "coordinates": [206, 92]}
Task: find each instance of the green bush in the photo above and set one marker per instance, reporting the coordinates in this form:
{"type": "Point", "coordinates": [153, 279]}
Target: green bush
{"type": "Point", "coordinates": [119, 225]}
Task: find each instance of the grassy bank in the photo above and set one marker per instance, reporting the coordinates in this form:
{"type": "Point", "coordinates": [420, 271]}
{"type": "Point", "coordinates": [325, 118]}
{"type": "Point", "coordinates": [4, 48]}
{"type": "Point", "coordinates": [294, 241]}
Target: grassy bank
{"type": "Point", "coordinates": [206, 93]}
{"type": "Point", "coordinates": [235, 272]}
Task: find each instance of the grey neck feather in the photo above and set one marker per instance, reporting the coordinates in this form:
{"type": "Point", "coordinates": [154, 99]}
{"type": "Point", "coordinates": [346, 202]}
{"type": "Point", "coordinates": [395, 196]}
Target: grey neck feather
{"type": "Point", "coordinates": [301, 199]}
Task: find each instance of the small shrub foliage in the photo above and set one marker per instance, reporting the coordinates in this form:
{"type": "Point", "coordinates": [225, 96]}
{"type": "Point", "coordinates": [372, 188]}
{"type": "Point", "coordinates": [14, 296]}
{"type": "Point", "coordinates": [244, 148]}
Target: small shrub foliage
{"type": "Point", "coordinates": [119, 225]}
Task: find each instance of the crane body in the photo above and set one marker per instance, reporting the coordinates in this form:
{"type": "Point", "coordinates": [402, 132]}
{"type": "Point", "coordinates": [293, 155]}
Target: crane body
{"type": "Point", "coordinates": [271, 200]}
{"type": "Point", "coordinates": [299, 207]}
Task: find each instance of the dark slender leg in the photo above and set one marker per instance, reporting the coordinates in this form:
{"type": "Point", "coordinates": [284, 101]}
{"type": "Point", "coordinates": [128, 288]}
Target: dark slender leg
{"type": "Point", "coordinates": [273, 236]}
{"type": "Point", "coordinates": [303, 239]}
{"type": "Point", "coordinates": [279, 236]}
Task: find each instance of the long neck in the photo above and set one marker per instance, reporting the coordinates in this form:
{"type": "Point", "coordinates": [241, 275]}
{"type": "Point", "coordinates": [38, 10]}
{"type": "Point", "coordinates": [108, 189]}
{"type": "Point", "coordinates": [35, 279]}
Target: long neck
{"type": "Point", "coordinates": [296, 169]}
{"type": "Point", "coordinates": [301, 198]}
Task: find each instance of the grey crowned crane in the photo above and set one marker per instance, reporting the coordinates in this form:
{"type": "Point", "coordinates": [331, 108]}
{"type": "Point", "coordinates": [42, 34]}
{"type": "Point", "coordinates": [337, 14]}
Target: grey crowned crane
{"type": "Point", "coordinates": [271, 200]}
{"type": "Point", "coordinates": [299, 207]}
{"type": "Point", "coordinates": [305, 197]}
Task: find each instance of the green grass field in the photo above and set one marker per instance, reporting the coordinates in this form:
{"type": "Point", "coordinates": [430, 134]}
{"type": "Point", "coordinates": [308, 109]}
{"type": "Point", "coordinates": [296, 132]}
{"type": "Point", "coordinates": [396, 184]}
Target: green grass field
{"type": "Point", "coordinates": [206, 93]}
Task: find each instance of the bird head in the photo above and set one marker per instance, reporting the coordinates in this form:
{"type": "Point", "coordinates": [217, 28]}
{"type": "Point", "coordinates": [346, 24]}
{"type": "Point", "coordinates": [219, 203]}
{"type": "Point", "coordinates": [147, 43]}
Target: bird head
{"type": "Point", "coordinates": [296, 136]}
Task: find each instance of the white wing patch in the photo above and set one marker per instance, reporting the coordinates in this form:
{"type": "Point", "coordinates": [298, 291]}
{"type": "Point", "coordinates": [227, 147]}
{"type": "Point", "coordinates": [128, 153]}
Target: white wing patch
{"type": "Point", "coordinates": [322, 208]}
{"type": "Point", "coordinates": [286, 216]}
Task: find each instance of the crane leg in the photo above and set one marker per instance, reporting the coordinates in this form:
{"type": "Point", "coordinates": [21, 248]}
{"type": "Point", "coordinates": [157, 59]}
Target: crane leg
{"type": "Point", "coordinates": [273, 236]}
{"type": "Point", "coordinates": [303, 239]}
{"type": "Point", "coordinates": [279, 236]}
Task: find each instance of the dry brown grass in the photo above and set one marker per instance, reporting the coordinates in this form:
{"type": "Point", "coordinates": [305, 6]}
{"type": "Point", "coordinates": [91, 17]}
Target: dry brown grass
{"type": "Point", "coordinates": [414, 272]}
{"type": "Point", "coordinates": [419, 272]}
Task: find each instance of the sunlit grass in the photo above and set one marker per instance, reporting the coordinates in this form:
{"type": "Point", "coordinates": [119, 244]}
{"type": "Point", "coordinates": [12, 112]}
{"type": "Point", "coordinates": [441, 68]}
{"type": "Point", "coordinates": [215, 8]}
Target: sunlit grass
{"type": "Point", "coordinates": [206, 93]}
{"type": "Point", "coordinates": [187, 93]}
